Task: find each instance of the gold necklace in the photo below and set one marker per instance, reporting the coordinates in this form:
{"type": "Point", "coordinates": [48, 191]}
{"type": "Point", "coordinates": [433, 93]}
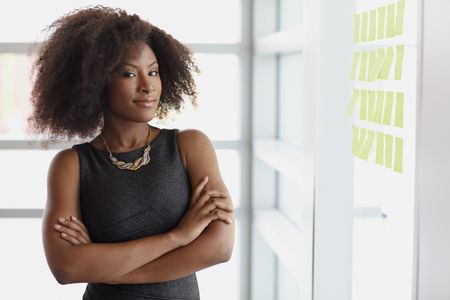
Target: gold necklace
{"type": "Point", "coordinates": [139, 162]}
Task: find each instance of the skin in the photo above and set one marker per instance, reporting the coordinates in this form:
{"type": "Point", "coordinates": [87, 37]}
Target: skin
{"type": "Point", "coordinates": [204, 236]}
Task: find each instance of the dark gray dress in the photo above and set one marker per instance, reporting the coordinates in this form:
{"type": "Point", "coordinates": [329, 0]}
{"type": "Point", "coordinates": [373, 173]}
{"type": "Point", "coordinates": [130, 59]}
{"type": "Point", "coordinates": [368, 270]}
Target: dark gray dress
{"type": "Point", "coordinates": [121, 205]}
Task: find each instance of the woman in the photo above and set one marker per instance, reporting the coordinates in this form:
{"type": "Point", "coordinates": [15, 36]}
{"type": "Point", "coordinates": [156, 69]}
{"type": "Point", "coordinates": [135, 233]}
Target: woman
{"type": "Point", "coordinates": [138, 210]}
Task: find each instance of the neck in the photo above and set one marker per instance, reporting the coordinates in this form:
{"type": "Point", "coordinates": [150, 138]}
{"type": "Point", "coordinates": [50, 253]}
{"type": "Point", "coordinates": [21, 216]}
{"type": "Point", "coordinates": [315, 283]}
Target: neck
{"type": "Point", "coordinates": [123, 137]}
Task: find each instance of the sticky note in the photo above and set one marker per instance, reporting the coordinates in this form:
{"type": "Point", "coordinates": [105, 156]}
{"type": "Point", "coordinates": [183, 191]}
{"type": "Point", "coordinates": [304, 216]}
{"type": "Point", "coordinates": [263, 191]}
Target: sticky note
{"type": "Point", "coordinates": [381, 22]}
{"type": "Point", "coordinates": [373, 24]}
{"type": "Point", "coordinates": [381, 53]}
{"type": "Point", "coordinates": [364, 21]}
{"type": "Point", "coordinates": [375, 107]}
{"type": "Point", "coordinates": [367, 145]}
{"type": "Point", "coordinates": [388, 140]}
{"type": "Point", "coordinates": [398, 165]}
{"type": "Point", "coordinates": [386, 67]}
{"type": "Point", "coordinates": [362, 142]}
{"type": "Point", "coordinates": [363, 105]}
{"type": "Point", "coordinates": [356, 58]}
{"type": "Point", "coordinates": [390, 21]}
{"type": "Point", "coordinates": [399, 110]}
{"type": "Point", "coordinates": [399, 55]}
{"type": "Point", "coordinates": [389, 102]}
{"type": "Point", "coordinates": [373, 68]}
{"type": "Point", "coordinates": [379, 158]}
{"type": "Point", "coordinates": [399, 17]}
{"type": "Point", "coordinates": [359, 135]}
{"type": "Point", "coordinates": [352, 104]}
{"type": "Point", "coordinates": [356, 27]}
{"type": "Point", "coordinates": [363, 67]}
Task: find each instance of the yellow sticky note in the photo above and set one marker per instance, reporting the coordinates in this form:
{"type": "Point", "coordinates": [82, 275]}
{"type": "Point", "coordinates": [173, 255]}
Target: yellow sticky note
{"type": "Point", "coordinates": [387, 115]}
{"type": "Point", "coordinates": [381, 22]}
{"type": "Point", "coordinates": [359, 135]}
{"type": "Point", "coordinates": [373, 24]}
{"type": "Point", "coordinates": [399, 103]}
{"type": "Point", "coordinates": [386, 67]}
{"type": "Point", "coordinates": [356, 27]}
{"type": "Point", "coordinates": [373, 68]}
{"type": "Point", "coordinates": [362, 142]}
{"type": "Point", "coordinates": [390, 21]}
{"type": "Point", "coordinates": [356, 58]}
{"type": "Point", "coordinates": [367, 145]}
{"type": "Point", "coordinates": [399, 17]}
{"type": "Point", "coordinates": [388, 139]}
{"type": "Point", "coordinates": [363, 105]}
{"type": "Point", "coordinates": [363, 67]}
{"type": "Point", "coordinates": [371, 106]}
{"type": "Point", "coordinates": [399, 56]}
{"type": "Point", "coordinates": [398, 165]}
{"type": "Point", "coordinates": [364, 21]}
{"type": "Point", "coordinates": [379, 158]}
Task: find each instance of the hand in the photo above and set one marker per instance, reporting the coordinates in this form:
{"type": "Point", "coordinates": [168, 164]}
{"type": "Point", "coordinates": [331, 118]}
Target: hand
{"type": "Point", "coordinates": [73, 231]}
{"type": "Point", "coordinates": [205, 207]}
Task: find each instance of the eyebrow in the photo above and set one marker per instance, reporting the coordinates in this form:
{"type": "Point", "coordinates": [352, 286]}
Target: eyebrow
{"type": "Point", "coordinates": [128, 64]}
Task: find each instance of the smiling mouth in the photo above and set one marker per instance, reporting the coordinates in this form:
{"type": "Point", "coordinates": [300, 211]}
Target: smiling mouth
{"type": "Point", "coordinates": [145, 102]}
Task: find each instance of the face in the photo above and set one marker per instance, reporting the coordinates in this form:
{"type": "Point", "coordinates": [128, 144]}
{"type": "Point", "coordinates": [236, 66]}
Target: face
{"type": "Point", "coordinates": [134, 92]}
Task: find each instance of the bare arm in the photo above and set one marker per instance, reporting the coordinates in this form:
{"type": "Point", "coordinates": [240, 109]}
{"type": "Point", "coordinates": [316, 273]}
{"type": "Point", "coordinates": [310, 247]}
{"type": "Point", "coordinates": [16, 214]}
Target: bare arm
{"type": "Point", "coordinates": [101, 262]}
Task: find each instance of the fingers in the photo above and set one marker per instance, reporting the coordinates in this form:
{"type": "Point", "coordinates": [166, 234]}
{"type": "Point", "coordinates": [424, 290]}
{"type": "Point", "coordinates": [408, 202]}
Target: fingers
{"type": "Point", "coordinates": [221, 215]}
{"type": "Point", "coordinates": [221, 203]}
{"type": "Point", "coordinates": [198, 189]}
{"type": "Point", "coordinates": [72, 231]}
{"type": "Point", "coordinates": [208, 195]}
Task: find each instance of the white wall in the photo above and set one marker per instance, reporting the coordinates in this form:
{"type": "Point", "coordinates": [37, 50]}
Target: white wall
{"type": "Point", "coordinates": [433, 155]}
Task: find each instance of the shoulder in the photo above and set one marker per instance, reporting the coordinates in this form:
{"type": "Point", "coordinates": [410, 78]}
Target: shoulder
{"type": "Point", "coordinates": [193, 143]}
{"type": "Point", "coordinates": [64, 161]}
{"type": "Point", "coordinates": [193, 140]}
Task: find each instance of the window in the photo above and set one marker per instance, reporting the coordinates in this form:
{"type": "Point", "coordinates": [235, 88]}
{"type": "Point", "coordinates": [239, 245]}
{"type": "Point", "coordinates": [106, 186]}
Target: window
{"type": "Point", "coordinates": [218, 49]}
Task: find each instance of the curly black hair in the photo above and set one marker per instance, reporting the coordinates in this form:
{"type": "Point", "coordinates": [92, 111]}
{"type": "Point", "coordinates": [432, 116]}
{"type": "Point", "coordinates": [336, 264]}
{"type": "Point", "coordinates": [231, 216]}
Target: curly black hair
{"type": "Point", "coordinates": [75, 64]}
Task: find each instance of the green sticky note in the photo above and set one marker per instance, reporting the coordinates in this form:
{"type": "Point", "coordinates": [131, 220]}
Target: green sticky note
{"type": "Point", "coordinates": [386, 67]}
{"type": "Point", "coordinates": [359, 135]}
{"type": "Point", "coordinates": [381, 53]}
{"type": "Point", "coordinates": [388, 139]}
{"type": "Point", "coordinates": [364, 21]}
{"type": "Point", "coordinates": [379, 159]}
{"type": "Point", "coordinates": [352, 104]}
{"type": "Point", "coordinates": [398, 166]}
{"type": "Point", "coordinates": [356, 58]}
{"type": "Point", "coordinates": [399, 55]}
{"type": "Point", "coordinates": [373, 68]}
{"type": "Point", "coordinates": [387, 115]}
{"type": "Point", "coordinates": [371, 106]}
{"type": "Point", "coordinates": [399, 110]}
{"type": "Point", "coordinates": [373, 24]}
{"type": "Point", "coordinates": [390, 21]}
{"type": "Point", "coordinates": [381, 22]}
{"type": "Point", "coordinates": [367, 145]}
{"type": "Point", "coordinates": [399, 17]}
{"type": "Point", "coordinates": [356, 28]}
{"type": "Point", "coordinates": [362, 142]}
{"type": "Point", "coordinates": [363, 105]}
{"type": "Point", "coordinates": [363, 67]}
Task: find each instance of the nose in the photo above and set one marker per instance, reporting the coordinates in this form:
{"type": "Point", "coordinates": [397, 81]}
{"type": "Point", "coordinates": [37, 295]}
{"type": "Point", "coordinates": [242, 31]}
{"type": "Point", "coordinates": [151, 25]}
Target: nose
{"type": "Point", "coordinates": [146, 85]}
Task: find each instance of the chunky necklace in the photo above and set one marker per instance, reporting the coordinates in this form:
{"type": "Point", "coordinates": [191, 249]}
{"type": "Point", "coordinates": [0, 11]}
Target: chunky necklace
{"type": "Point", "coordinates": [139, 162]}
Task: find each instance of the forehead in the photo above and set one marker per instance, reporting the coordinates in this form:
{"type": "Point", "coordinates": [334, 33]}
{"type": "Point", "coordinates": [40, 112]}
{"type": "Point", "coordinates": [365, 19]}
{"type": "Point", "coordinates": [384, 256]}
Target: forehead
{"type": "Point", "coordinates": [139, 53]}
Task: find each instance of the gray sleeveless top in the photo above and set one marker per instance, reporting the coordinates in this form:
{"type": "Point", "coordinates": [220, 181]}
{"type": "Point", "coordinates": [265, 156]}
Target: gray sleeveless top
{"type": "Point", "coordinates": [120, 205]}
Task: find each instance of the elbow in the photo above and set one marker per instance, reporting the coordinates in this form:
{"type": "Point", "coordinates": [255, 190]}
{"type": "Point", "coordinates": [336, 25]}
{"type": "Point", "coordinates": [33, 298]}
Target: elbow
{"type": "Point", "coordinates": [225, 254]}
{"type": "Point", "coordinates": [63, 277]}
{"type": "Point", "coordinates": [64, 274]}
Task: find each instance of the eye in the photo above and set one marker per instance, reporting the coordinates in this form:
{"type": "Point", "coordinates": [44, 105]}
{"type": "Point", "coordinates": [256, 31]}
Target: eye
{"type": "Point", "coordinates": [128, 74]}
{"type": "Point", "coordinates": [153, 73]}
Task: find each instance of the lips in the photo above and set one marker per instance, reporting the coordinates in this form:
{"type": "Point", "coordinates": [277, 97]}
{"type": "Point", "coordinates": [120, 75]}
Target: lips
{"type": "Point", "coordinates": [147, 102]}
